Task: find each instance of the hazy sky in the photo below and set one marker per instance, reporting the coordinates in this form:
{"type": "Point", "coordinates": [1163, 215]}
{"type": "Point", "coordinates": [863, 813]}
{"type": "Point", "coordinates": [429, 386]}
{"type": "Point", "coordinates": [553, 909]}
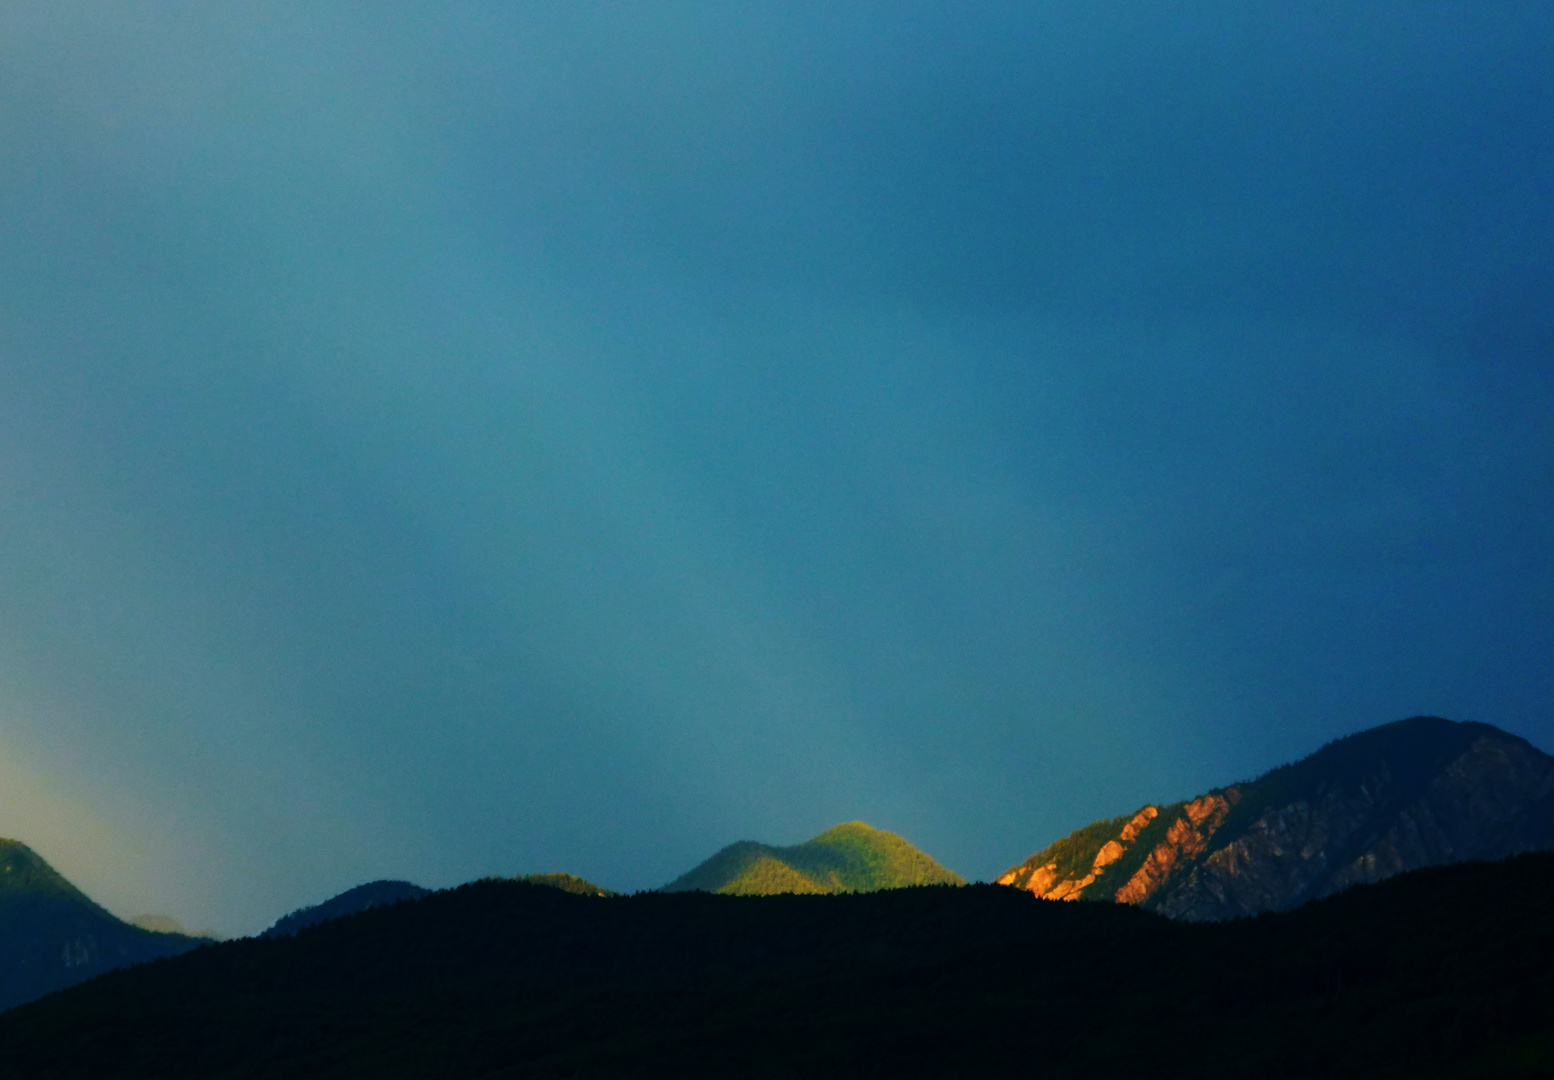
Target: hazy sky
{"type": "Point", "coordinates": [440, 440]}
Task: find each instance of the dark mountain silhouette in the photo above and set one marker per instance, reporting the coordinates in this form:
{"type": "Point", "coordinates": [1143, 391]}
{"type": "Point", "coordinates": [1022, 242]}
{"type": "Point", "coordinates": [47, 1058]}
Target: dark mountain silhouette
{"type": "Point", "coordinates": [53, 936]}
{"type": "Point", "coordinates": [1416, 793]}
{"type": "Point", "coordinates": [845, 858]}
{"type": "Point", "coordinates": [1447, 971]}
{"type": "Point", "coordinates": [349, 902]}
{"type": "Point", "coordinates": [376, 893]}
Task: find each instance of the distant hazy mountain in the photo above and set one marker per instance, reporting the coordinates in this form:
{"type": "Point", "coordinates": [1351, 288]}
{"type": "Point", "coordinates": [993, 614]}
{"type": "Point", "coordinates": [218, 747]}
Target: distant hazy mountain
{"type": "Point", "coordinates": [166, 924]}
{"type": "Point", "coordinates": [1415, 793]}
{"type": "Point", "coordinates": [159, 924]}
{"type": "Point", "coordinates": [52, 935]}
{"type": "Point", "coordinates": [847, 858]}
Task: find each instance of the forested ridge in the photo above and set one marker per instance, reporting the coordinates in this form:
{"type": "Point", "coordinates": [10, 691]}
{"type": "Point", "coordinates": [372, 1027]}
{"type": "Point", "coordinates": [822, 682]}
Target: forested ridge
{"type": "Point", "coordinates": [1441, 972]}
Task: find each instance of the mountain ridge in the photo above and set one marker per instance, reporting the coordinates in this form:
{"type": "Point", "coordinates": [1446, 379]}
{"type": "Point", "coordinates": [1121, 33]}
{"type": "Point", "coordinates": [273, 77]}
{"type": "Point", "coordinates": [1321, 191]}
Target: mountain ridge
{"type": "Point", "coordinates": [387, 891]}
{"type": "Point", "coordinates": [361, 898]}
{"type": "Point", "coordinates": [52, 935]}
{"type": "Point", "coordinates": [505, 978]}
{"type": "Point", "coordinates": [1413, 793]}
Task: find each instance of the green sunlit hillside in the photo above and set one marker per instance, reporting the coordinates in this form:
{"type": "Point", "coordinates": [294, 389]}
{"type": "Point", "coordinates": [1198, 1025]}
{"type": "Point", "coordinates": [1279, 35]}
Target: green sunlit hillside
{"type": "Point", "coordinates": [853, 857]}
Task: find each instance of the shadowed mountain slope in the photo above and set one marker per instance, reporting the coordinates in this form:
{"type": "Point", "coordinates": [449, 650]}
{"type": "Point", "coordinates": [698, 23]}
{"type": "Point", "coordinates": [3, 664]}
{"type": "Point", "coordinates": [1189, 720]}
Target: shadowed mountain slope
{"type": "Point", "coordinates": [361, 898]}
{"type": "Point", "coordinates": [376, 893]}
{"type": "Point", "coordinates": [845, 858]}
{"type": "Point", "coordinates": [52, 935]}
{"type": "Point", "coordinates": [1411, 794]}
{"type": "Point", "coordinates": [1442, 972]}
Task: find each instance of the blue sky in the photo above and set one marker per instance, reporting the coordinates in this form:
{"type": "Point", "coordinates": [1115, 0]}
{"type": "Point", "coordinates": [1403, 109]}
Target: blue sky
{"type": "Point", "coordinates": [440, 440]}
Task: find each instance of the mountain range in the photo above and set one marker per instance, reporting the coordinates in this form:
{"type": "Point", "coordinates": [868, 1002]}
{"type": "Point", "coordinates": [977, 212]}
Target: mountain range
{"type": "Point", "coordinates": [1415, 793]}
{"type": "Point", "coordinates": [1441, 972]}
{"type": "Point", "coordinates": [1390, 801]}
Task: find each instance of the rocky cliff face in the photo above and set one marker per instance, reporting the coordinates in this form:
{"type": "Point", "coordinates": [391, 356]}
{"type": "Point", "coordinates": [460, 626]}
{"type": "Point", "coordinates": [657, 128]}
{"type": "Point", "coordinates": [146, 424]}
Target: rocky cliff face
{"type": "Point", "coordinates": [1415, 793]}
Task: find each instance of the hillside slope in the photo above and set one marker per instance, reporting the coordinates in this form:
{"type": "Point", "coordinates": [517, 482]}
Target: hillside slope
{"type": "Point", "coordinates": [1416, 793]}
{"type": "Point", "coordinates": [377, 893]}
{"type": "Point", "coordinates": [853, 857]}
{"type": "Point", "coordinates": [361, 898]}
{"type": "Point", "coordinates": [52, 935]}
{"type": "Point", "coordinates": [1441, 972]}
{"type": "Point", "coordinates": [567, 883]}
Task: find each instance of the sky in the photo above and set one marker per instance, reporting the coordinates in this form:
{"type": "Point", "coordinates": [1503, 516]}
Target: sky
{"type": "Point", "coordinates": [444, 440]}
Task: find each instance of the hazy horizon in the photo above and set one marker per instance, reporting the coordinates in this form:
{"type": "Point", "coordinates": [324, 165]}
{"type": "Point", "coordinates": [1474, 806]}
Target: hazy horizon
{"type": "Point", "coordinates": [441, 441]}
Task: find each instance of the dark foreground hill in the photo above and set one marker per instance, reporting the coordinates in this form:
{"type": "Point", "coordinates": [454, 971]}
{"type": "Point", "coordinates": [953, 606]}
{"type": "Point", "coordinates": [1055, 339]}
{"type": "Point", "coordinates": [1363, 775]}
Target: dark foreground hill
{"type": "Point", "coordinates": [1443, 972]}
{"type": "Point", "coordinates": [52, 935]}
{"type": "Point", "coordinates": [853, 857]}
{"type": "Point", "coordinates": [1416, 793]}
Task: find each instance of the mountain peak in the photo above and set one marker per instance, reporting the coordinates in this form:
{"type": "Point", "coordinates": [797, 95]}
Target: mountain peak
{"type": "Point", "coordinates": [373, 894]}
{"type": "Point", "coordinates": [850, 857]}
{"type": "Point", "coordinates": [1413, 793]}
{"type": "Point", "coordinates": [848, 829]}
{"type": "Point", "coordinates": [23, 872]}
{"type": "Point", "coordinates": [52, 935]}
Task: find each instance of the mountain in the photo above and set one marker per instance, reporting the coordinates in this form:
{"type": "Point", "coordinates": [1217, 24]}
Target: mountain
{"type": "Point", "coordinates": [361, 898]}
{"type": "Point", "coordinates": [566, 883]}
{"type": "Point", "coordinates": [1441, 972]}
{"type": "Point", "coordinates": [376, 893]}
{"type": "Point", "coordinates": [52, 935]}
{"type": "Point", "coordinates": [1416, 793]}
{"type": "Point", "coordinates": [845, 858]}
{"type": "Point", "coordinates": [166, 924]}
